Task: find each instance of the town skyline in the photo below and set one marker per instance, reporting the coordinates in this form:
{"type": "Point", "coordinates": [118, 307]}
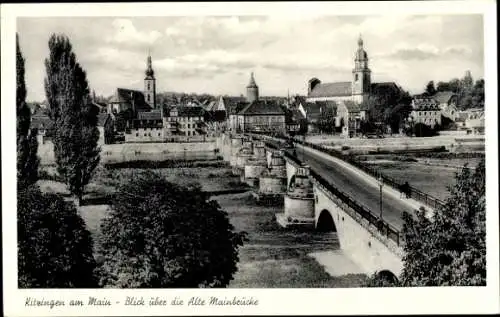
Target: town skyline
{"type": "Point", "coordinates": [215, 55]}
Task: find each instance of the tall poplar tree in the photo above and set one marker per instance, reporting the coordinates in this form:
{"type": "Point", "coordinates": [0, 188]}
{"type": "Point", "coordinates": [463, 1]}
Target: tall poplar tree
{"type": "Point", "coordinates": [75, 120]}
{"type": "Point", "coordinates": [27, 145]}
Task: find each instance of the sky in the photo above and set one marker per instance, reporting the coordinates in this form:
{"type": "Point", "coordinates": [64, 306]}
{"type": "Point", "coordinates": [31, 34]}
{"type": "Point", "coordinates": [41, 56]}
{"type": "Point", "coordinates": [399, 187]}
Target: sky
{"type": "Point", "coordinates": [216, 54]}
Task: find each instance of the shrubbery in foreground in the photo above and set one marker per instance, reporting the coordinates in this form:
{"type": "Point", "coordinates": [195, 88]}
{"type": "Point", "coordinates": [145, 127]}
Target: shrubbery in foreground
{"type": "Point", "coordinates": [54, 247]}
{"type": "Point", "coordinates": [160, 234]}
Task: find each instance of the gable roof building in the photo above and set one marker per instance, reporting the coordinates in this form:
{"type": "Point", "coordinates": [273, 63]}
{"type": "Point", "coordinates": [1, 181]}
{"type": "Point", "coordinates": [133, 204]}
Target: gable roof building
{"type": "Point", "coordinates": [128, 99]}
{"type": "Point", "coordinates": [339, 89]}
{"type": "Point", "coordinates": [358, 90]}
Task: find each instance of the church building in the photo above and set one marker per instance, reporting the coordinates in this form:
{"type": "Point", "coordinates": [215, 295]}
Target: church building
{"type": "Point", "coordinates": [357, 90]}
{"type": "Point", "coordinates": [135, 100]}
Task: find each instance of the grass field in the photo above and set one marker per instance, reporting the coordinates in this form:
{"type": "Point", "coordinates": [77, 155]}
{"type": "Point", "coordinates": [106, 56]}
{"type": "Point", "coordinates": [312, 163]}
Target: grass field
{"type": "Point", "coordinates": [430, 175]}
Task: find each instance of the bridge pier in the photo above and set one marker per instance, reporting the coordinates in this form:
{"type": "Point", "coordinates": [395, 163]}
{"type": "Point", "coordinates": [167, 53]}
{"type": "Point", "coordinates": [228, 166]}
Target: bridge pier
{"type": "Point", "coordinates": [255, 165]}
{"type": "Point", "coordinates": [236, 142]}
{"type": "Point", "coordinates": [272, 181]}
{"type": "Point", "coordinates": [298, 201]}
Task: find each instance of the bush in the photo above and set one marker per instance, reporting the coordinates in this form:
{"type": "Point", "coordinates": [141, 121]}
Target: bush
{"type": "Point", "coordinates": [54, 247]}
{"type": "Point", "coordinates": [423, 130]}
{"type": "Point", "coordinates": [160, 234]}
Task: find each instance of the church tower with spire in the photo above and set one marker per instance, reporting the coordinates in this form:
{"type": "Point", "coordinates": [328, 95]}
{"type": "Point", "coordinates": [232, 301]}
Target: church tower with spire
{"type": "Point", "coordinates": [252, 90]}
{"type": "Point", "coordinates": [361, 75]}
{"type": "Point", "coordinates": [150, 84]}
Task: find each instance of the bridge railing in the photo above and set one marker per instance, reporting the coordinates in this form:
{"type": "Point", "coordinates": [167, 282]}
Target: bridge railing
{"type": "Point", "coordinates": [383, 227]}
{"type": "Point", "coordinates": [415, 193]}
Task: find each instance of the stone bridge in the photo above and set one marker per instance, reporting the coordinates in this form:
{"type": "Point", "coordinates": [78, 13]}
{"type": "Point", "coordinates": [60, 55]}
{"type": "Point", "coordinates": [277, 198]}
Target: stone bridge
{"type": "Point", "coordinates": [310, 201]}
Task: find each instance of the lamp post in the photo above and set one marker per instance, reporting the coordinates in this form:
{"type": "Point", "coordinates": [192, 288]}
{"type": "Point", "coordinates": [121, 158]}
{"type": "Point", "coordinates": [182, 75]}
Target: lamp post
{"type": "Point", "coordinates": [380, 184]}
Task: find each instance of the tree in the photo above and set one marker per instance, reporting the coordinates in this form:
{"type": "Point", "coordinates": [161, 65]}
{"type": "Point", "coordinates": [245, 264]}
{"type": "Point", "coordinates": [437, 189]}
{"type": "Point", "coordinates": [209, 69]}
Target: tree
{"type": "Point", "coordinates": [423, 130]}
{"type": "Point", "coordinates": [54, 247]}
{"type": "Point", "coordinates": [467, 81]}
{"type": "Point", "coordinates": [430, 90]}
{"type": "Point", "coordinates": [160, 234]}
{"type": "Point", "coordinates": [450, 249]}
{"type": "Point", "coordinates": [443, 86]}
{"type": "Point", "coordinates": [27, 144]}
{"type": "Point", "coordinates": [455, 85]}
{"type": "Point", "coordinates": [75, 119]}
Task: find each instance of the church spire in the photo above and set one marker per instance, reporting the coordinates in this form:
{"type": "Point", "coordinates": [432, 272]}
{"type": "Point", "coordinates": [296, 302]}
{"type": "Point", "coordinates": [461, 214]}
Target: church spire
{"type": "Point", "coordinates": [360, 41]}
{"type": "Point", "coordinates": [252, 83]}
{"type": "Point", "coordinates": [149, 70]}
{"type": "Point", "coordinates": [252, 90]}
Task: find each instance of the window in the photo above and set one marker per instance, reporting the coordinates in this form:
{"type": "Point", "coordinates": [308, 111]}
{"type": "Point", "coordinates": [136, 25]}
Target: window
{"type": "Point", "coordinates": [149, 87]}
{"type": "Point", "coordinates": [159, 134]}
{"type": "Point", "coordinates": [148, 96]}
{"type": "Point", "coordinates": [137, 134]}
{"type": "Point", "coordinates": [356, 77]}
{"type": "Point", "coordinates": [145, 134]}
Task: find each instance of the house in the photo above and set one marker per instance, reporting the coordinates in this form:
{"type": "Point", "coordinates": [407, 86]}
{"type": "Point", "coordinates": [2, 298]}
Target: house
{"type": "Point", "coordinates": [295, 120]}
{"type": "Point", "coordinates": [312, 112]}
{"type": "Point", "coordinates": [475, 121]}
{"type": "Point", "coordinates": [105, 125]}
{"type": "Point", "coordinates": [44, 126]}
{"type": "Point", "coordinates": [125, 99]}
{"type": "Point", "coordinates": [184, 123]}
{"type": "Point", "coordinates": [350, 115]}
{"type": "Point", "coordinates": [260, 116]}
{"type": "Point", "coordinates": [425, 110]}
{"type": "Point", "coordinates": [147, 127]}
{"type": "Point", "coordinates": [461, 118]}
{"type": "Point", "coordinates": [447, 102]}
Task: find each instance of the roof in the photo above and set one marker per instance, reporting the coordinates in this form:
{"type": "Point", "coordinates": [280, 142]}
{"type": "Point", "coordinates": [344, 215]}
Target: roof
{"type": "Point", "coordinates": [41, 122]}
{"type": "Point", "coordinates": [296, 115]}
{"type": "Point", "coordinates": [462, 116]}
{"type": "Point", "coordinates": [184, 111]}
{"type": "Point", "coordinates": [40, 112]}
{"type": "Point", "coordinates": [149, 115]}
{"type": "Point", "coordinates": [262, 107]}
{"type": "Point", "coordinates": [210, 106]}
{"type": "Point", "coordinates": [443, 96]}
{"type": "Point", "coordinates": [331, 89]}
{"type": "Point", "coordinates": [379, 87]}
{"type": "Point", "coordinates": [99, 104]}
{"type": "Point", "coordinates": [327, 106]}
{"type": "Point", "coordinates": [425, 103]}
{"type": "Point", "coordinates": [351, 106]}
{"type": "Point", "coordinates": [252, 83]}
{"type": "Point", "coordinates": [313, 110]}
{"type": "Point", "coordinates": [102, 118]}
{"type": "Point", "coordinates": [233, 105]}
{"type": "Point", "coordinates": [124, 95]}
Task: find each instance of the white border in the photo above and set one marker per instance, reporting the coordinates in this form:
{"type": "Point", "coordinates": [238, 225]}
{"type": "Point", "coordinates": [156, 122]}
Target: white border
{"type": "Point", "coordinates": [271, 301]}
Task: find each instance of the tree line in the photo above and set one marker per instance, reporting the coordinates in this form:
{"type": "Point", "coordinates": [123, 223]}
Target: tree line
{"type": "Point", "coordinates": [158, 234]}
{"type": "Point", "coordinates": [470, 93]}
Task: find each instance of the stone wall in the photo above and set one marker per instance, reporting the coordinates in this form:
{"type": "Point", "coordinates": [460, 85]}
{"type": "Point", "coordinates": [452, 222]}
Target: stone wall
{"type": "Point", "coordinates": [116, 153]}
{"type": "Point", "coordinates": [299, 207]}
{"type": "Point", "coordinates": [272, 185]}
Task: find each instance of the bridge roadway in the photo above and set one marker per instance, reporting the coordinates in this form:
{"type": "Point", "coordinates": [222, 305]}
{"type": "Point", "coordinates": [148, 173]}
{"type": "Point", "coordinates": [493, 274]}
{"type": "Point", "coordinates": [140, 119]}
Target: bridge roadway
{"type": "Point", "coordinates": [357, 187]}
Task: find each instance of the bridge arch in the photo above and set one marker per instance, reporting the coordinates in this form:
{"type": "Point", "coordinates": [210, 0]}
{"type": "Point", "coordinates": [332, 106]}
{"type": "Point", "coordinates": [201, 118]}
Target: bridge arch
{"type": "Point", "coordinates": [387, 276]}
{"type": "Point", "coordinates": [325, 222]}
